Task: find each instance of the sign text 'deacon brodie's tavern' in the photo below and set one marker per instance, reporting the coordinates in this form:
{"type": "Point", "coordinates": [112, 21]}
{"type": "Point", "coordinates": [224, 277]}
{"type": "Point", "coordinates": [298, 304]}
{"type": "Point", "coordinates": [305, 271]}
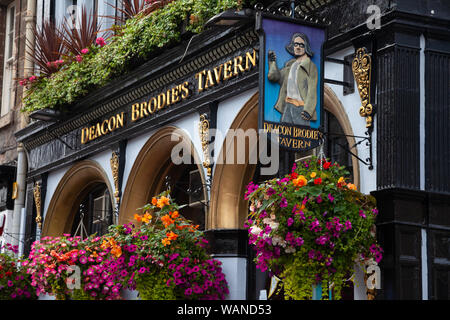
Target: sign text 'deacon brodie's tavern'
{"type": "Point", "coordinates": [204, 80]}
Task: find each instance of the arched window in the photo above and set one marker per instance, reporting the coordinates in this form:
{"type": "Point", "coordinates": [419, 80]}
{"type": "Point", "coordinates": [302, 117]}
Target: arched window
{"type": "Point", "coordinates": [94, 213]}
{"type": "Point", "coordinates": [186, 188]}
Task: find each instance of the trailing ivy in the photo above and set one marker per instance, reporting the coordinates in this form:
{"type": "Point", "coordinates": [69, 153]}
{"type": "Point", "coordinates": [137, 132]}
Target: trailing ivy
{"type": "Point", "coordinates": [140, 38]}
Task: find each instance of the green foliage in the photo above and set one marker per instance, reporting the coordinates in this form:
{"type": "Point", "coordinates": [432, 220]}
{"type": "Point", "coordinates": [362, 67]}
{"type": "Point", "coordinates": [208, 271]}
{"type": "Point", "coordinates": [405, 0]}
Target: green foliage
{"type": "Point", "coordinates": [152, 286]}
{"type": "Point", "coordinates": [140, 38]}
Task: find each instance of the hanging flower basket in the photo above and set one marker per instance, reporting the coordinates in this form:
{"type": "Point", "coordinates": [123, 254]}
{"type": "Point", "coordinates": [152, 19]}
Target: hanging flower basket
{"type": "Point", "coordinates": [310, 227]}
{"type": "Point", "coordinates": [163, 257]}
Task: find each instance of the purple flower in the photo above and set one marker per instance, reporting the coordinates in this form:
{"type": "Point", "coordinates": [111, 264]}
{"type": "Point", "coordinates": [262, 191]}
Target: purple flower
{"type": "Point", "coordinates": [361, 213]}
{"type": "Point", "coordinates": [283, 203]}
{"type": "Point", "coordinates": [378, 257]}
{"type": "Point", "coordinates": [321, 240]}
{"type": "Point", "coordinates": [290, 221]}
{"type": "Point", "coordinates": [188, 292]}
{"type": "Point", "coordinates": [319, 199]}
{"type": "Point", "coordinates": [330, 197]}
{"type": "Point", "coordinates": [142, 270]}
{"type": "Point", "coordinates": [375, 211]}
{"type": "Point", "coordinates": [270, 192]}
{"type": "Point", "coordinates": [348, 225]}
{"type": "Point", "coordinates": [198, 290]}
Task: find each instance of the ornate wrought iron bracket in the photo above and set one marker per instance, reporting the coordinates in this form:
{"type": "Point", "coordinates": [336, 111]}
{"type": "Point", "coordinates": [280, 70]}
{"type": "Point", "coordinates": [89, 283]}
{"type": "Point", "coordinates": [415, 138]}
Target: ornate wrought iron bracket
{"type": "Point", "coordinates": [367, 139]}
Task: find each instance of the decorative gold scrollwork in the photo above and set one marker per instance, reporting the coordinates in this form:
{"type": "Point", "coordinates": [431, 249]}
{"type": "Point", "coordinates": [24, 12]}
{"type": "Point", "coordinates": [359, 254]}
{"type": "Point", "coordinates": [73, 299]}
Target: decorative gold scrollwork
{"type": "Point", "coordinates": [114, 161]}
{"type": "Point", "coordinates": [37, 202]}
{"type": "Point", "coordinates": [362, 71]}
{"type": "Point", "coordinates": [203, 128]}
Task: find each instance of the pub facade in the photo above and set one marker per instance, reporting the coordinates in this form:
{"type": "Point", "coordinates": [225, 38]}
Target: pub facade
{"type": "Point", "coordinates": [151, 130]}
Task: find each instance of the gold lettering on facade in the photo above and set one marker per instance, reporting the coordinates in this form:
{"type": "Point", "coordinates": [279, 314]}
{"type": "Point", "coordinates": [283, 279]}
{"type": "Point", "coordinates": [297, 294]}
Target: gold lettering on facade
{"type": "Point", "coordinates": [199, 76]}
{"type": "Point", "coordinates": [161, 101]}
{"type": "Point", "coordinates": [250, 58]}
{"type": "Point", "coordinates": [209, 78]}
{"type": "Point", "coordinates": [218, 73]}
{"type": "Point", "coordinates": [238, 65]}
{"type": "Point", "coordinates": [107, 126]}
{"type": "Point", "coordinates": [228, 72]}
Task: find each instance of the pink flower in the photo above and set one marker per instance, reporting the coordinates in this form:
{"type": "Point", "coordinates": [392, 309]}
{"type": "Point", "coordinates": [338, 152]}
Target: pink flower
{"type": "Point", "coordinates": [100, 41]}
{"type": "Point", "coordinates": [361, 213]}
{"type": "Point", "coordinates": [85, 51]}
{"type": "Point", "coordinates": [79, 58]}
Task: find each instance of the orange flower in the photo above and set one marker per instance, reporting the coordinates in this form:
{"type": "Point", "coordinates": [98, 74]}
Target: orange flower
{"type": "Point", "coordinates": [174, 214]}
{"type": "Point", "coordinates": [300, 181]}
{"type": "Point", "coordinates": [165, 242]}
{"type": "Point", "coordinates": [154, 201]}
{"type": "Point", "coordinates": [167, 220]}
{"type": "Point", "coordinates": [172, 236]}
{"type": "Point", "coordinates": [147, 217]}
{"type": "Point", "coordinates": [313, 175]}
{"type": "Point", "coordinates": [351, 186]}
{"type": "Point", "coordinates": [116, 251]}
{"type": "Point", "coordinates": [162, 202]}
{"type": "Point", "coordinates": [137, 217]}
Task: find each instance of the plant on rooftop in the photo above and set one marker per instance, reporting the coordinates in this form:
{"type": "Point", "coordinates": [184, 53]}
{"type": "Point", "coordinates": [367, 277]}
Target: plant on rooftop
{"type": "Point", "coordinates": [82, 36]}
{"type": "Point", "coordinates": [49, 48]}
{"type": "Point", "coordinates": [140, 37]}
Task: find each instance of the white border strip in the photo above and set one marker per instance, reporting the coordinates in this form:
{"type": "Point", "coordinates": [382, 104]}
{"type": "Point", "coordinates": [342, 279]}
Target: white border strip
{"type": "Point", "coordinates": [424, 266]}
{"type": "Point", "coordinates": [422, 113]}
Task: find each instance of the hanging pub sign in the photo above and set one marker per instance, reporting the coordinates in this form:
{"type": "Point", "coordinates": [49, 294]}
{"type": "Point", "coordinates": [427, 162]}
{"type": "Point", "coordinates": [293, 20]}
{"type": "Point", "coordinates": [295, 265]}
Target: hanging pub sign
{"type": "Point", "coordinates": [291, 81]}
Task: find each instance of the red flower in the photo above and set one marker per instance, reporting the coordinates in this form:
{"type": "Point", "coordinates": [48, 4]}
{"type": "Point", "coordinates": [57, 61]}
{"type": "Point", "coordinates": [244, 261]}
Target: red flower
{"type": "Point", "coordinates": [318, 181]}
{"type": "Point", "coordinates": [327, 165]}
{"type": "Point", "coordinates": [294, 175]}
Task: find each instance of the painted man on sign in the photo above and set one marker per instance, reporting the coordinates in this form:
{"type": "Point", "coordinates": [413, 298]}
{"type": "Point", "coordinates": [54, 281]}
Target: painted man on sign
{"type": "Point", "coordinates": [298, 80]}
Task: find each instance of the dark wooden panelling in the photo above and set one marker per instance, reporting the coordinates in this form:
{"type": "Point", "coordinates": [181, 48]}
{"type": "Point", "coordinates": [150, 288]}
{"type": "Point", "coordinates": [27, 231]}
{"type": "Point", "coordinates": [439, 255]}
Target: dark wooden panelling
{"type": "Point", "coordinates": [439, 264]}
{"type": "Point", "coordinates": [398, 117]}
{"type": "Point", "coordinates": [437, 121]}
